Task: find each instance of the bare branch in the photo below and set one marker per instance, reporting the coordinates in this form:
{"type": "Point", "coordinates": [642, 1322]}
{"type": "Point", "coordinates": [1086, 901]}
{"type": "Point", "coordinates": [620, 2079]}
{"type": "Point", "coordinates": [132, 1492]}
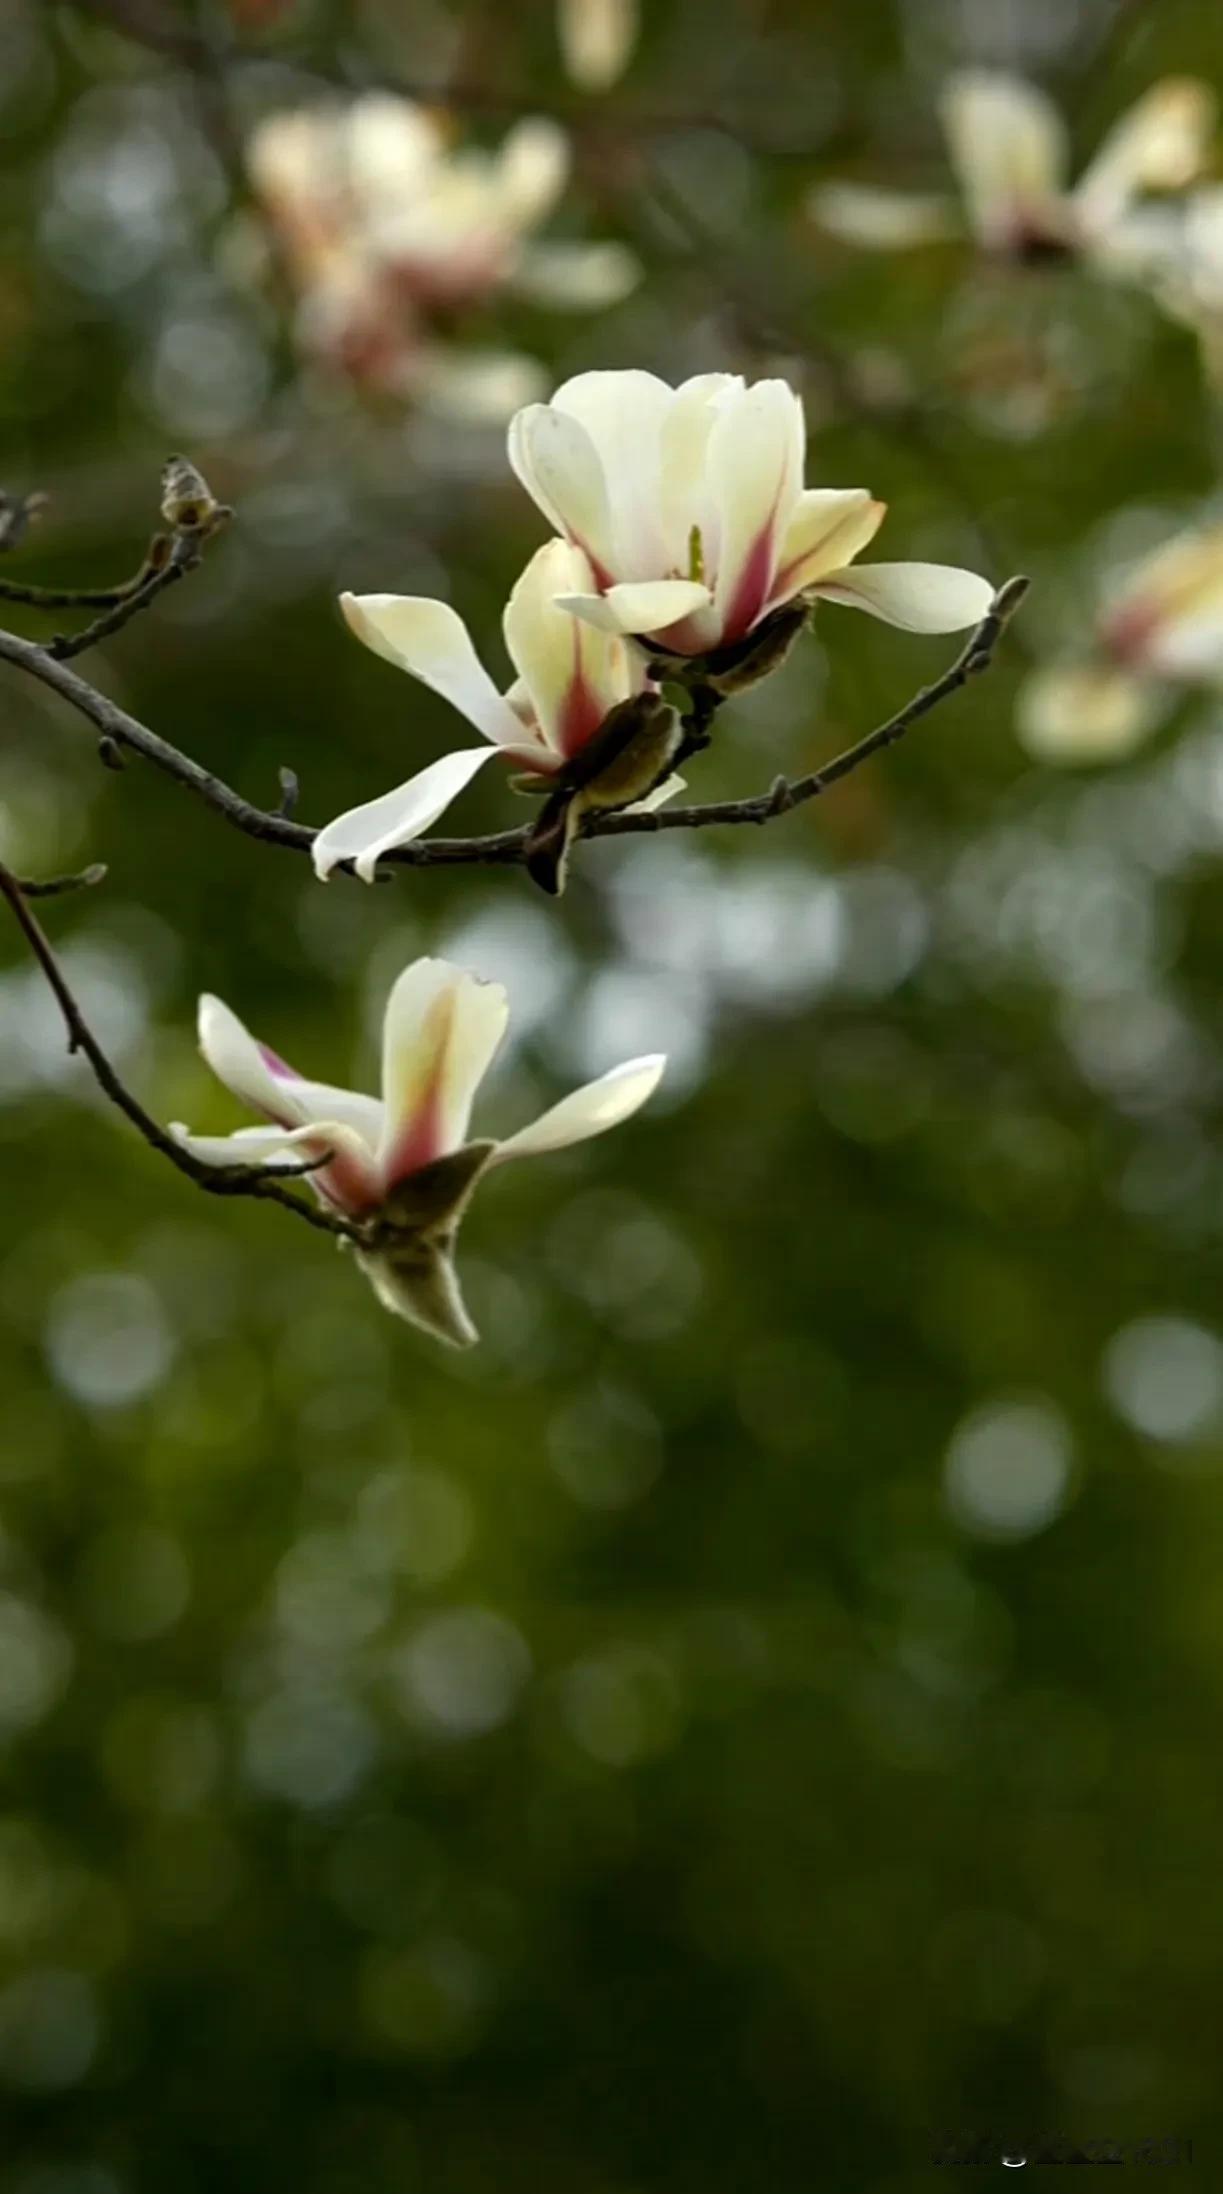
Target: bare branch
{"type": "Point", "coordinates": [237, 1180]}
{"type": "Point", "coordinates": [119, 731]}
{"type": "Point", "coordinates": [56, 887]}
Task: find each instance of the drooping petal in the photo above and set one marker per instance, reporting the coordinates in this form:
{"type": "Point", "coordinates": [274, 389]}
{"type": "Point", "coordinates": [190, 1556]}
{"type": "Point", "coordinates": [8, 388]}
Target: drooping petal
{"type": "Point", "coordinates": [530, 174]}
{"type": "Point", "coordinates": [559, 467]}
{"type": "Point", "coordinates": [441, 1029]}
{"type": "Point", "coordinates": [883, 220]}
{"type": "Point", "coordinates": [363, 834]}
{"type": "Point", "coordinates": [1009, 149]}
{"type": "Point", "coordinates": [644, 605]}
{"type": "Point", "coordinates": [917, 597]}
{"type": "Point", "coordinates": [1162, 143]}
{"type": "Point", "coordinates": [597, 38]}
{"type": "Point", "coordinates": [573, 675]}
{"type": "Point", "coordinates": [1073, 713]}
{"type": "Point", "coordinates": [829, 528]}
{"type": "Point", "coordinates": [588, 1111]}
{"type": "Point", "coordinates": [350, 1179]}
{"type": "Point", "coordinates": [430, 640]}
{"type": "Point", "coordinates": [755, 470]}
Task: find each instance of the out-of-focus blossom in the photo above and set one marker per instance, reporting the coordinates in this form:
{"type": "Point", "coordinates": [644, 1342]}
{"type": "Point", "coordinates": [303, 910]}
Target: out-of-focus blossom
{"type": "Point", "coordinates": [389, 234]}
{"type": "Point", "coordinates": [1160, 627]}
{"type": "Point", "coordinates": [572, 681]}
{"type": "Point", "coordinates": [403, 1165]}
{"type": "Point", "coordinates": [1177, 252]}
{"type": "Point", "coordinates": [597, 39]}
{"type": "Point", "coordinates": [689, 505]}
{"type": "Point", "coordinates": [1010, 152]}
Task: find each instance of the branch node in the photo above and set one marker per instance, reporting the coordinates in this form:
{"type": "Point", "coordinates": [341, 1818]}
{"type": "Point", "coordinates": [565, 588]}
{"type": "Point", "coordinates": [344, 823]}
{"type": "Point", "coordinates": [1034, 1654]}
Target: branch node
{"type": "Point", "coordinates": [110, 753]}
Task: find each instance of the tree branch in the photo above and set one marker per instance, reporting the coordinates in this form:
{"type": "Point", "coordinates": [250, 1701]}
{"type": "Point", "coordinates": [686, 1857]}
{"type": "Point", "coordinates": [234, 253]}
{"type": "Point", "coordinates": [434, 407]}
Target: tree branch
{"type": "Point", "coordinates": [237, 1180]}
{"type": "Point", "coordinates": [120, 731]}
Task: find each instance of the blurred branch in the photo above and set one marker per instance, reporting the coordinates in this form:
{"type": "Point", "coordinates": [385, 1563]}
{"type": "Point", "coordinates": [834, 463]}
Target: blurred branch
{"type": "Point", "coordinates": [55, 887]}
{"type": "Point", "coordinates": [259, 1181]}
{"type": "Point", "coordinates": [506, 848]}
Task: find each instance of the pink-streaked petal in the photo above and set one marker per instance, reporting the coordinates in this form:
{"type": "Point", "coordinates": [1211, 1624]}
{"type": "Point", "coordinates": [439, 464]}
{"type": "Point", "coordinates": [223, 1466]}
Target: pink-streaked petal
{"type": "Point", "coordinates": [559, 467]}
{"type": "Point", "coordinates": [362, 835]}
{"type": "Point", "coordinates": [646, 605]}
{"type": "Point", "coordinates": [430, 640]}
{"type": "Point", "coordinates": [588, 1111]}
{"type": "Point", "coordinates": [917, 597]}
{"type": "Point", "coordinates": [830, 527]}
{"type": "Point", "coordinates": [755, 471]}
{"type": "Point", "coordinates": [572, 675]}
{"type": "Point", "coordinates": [440, 1032]}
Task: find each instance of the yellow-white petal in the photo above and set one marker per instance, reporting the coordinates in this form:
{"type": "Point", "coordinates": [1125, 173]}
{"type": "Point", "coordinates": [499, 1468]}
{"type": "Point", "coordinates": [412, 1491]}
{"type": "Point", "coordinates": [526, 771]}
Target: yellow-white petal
{"type": "Point", "coordinates": [644, 605]}
{"type": "Point", "coordinates": [883, 220]}
{"type": "Point", "coordinates": [363, 834]}
{"type": "Point", "coordinates": [559, 467]}
{"type": "Point", "coordinates": [430, 640]}
{"type": "Point", "coordinates": [683, 453]}
{"type": "Point", "coordinates": [829, 528]}
{"type": "Point", "coordinates": [597, 39]}
{"type": "Point", "coordinates": [440, 1031]}
{"type": "Point", "coordinates": [625, 416]}
{"type": "Point", "coordinates": [1162, 143]}
{"type": "Point", "coordinates": [247, 1067]}
{"type": "Point", "coordinates": [917, 597]}
{"type": "Point", "coordinates": [577, 277]}
{"type": "Point", "coordinates": [573, 675]}
{"type": "Point", "coordinates": [1009, 149]}
{"type": "Point", "coordinates": [1085, 712]}
{"type": "Point", "coordinates": [588, 1111]}
{"type": "Point", "coordinates": [755, 472]}
{"type": "Point", "coordinates": [530, 174]}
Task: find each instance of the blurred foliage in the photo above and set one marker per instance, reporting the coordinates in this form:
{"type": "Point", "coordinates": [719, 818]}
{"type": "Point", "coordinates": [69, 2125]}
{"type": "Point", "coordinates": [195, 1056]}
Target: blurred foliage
{"type": "Point", "coordinates": [762, 1705]}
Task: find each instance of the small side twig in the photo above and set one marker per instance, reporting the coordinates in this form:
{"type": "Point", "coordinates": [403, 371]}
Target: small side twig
{"type": "Point", "coordinates": [56, 887]}
{"type": "Point", "coordinates": [237, 1180]}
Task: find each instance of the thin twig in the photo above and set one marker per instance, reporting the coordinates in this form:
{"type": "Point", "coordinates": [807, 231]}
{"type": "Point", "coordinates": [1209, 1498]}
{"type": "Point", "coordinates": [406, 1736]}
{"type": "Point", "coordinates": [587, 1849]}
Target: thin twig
{"type": "Point", "coordinates": [236, 1180]}
{"type": "Point", "coordinates": [505, 848]}
{"type": "Point", "coordinates": [56, 887]}
{"type": "Point", "coordinates": [40, 597]}
{"type": "Point", "coordinates": [184, 555]}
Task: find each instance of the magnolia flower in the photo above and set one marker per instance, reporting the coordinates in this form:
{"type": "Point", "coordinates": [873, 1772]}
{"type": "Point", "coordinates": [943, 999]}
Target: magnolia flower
{"type": "Point", "coordinates": [388, 233]}
{"type": "Point", "coordinates": [689, 508]}
{"type": "Point", "coordinates": [1177, 251]}
{"type": "Point", "coordinates": [1009, 149]}
{"type": "Point", "coordinates": [1159, 628]}
{"type": "Point", "coordinates": [401, 1167]}
{"type": "Point", "coordinates": [597, 39]}
{"type": "Point", "coordinates": [570, 680]}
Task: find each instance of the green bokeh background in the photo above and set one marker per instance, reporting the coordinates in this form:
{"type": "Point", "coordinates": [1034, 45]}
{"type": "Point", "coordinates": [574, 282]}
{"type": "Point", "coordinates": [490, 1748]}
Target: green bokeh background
{"type": "Point", "coordinates": [762, 1707]}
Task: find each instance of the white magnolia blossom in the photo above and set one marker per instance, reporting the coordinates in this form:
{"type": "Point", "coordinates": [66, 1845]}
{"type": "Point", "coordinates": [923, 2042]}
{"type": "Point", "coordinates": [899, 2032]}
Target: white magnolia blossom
{"type": "Point", "coordinates": [1177, 252]}
{"type": "Point", "coordinates": [689, 506]}
{"type": "Point", "coordinates": [1009, 148]}
{"type": "Point", "coordinates": [403, 1164]}
{"type": "Point", "coordinates": [568, 680]}
{"type": "Point", "coordinates": [387, 229]}
{"type": "Point", "coordinates": [597, 38]}
{"type": "Point", "coordinates": [1158, 627]}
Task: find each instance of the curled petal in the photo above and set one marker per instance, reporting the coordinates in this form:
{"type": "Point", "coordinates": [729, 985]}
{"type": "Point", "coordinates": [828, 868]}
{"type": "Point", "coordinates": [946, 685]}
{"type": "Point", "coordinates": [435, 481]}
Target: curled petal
{"type": "Point", "coordinates": [917, 597]}
{"type": "Point", "coordinates": [828, 529]}
{"type": "Point", "coordinates": [430, 640]}
{"type": "Point", "coordinates": [588, 1111]}
{"type": "Point", "coordinates": [362, 835]}
{"type": "Point", "coordinates": [644, 605]}
{"type": "Point", "coordinates": [441, 1029]}
{"type": "Point", "coordinates": [246, 1066]}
